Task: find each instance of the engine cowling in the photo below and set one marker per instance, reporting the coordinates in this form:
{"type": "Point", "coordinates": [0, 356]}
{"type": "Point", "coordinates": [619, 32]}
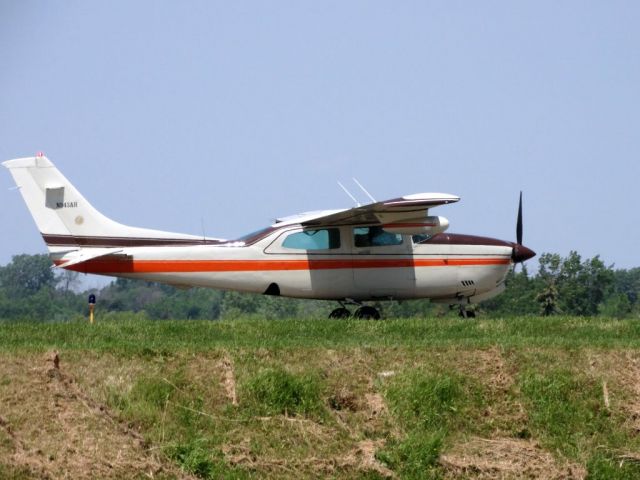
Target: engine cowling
{"type": "Point", "coordinates": [416, 226]}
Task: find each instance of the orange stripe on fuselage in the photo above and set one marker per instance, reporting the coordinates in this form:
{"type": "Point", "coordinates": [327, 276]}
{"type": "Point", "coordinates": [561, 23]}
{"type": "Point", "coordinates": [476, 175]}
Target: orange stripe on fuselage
{"type": "Point", "coordinates": [190, 266]}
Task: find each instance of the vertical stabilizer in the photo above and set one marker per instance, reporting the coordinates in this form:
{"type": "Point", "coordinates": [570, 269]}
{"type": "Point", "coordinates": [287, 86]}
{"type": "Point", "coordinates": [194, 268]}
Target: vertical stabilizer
{"type": "Point", "coordinates": [66, 219]}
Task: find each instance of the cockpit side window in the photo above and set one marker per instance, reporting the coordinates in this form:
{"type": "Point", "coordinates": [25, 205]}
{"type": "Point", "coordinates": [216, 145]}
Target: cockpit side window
{"type": "Point", "coordinates": [375, 237]}
{"type": "Point", "coordinates": [324, 239]}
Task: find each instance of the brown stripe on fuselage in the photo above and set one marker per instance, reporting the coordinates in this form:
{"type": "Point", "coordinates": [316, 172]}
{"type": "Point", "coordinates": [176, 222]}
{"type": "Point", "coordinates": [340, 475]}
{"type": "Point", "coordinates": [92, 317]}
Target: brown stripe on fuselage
{"type": "Point", "coordinates": [95, 241]}
{"type": "Point", "coordinates": [462, 239]}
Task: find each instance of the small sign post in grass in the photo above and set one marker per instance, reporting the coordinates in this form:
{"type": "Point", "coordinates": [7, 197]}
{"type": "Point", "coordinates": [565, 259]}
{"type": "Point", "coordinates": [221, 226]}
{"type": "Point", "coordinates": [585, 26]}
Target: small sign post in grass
{"type": "Point", "coordinates": [92, 304]}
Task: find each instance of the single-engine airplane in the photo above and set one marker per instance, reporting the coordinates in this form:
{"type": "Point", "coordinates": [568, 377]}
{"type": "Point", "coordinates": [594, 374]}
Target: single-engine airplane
{"type": "Point", "coordinates": [392, 249]}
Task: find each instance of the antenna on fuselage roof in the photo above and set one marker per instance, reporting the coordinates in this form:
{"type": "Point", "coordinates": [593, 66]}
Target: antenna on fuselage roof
{"type": "Point", "coordinates": [349, 193]}
{"type": "Point", "coordinates": [364, 189]}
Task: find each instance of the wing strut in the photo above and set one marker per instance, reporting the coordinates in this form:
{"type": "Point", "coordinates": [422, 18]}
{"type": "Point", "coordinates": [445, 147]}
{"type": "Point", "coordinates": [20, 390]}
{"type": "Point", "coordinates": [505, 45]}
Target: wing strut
{"type": "Point", "coordinates": [364, 190]}
{"type": "Point", "coordinates": [349, 193]}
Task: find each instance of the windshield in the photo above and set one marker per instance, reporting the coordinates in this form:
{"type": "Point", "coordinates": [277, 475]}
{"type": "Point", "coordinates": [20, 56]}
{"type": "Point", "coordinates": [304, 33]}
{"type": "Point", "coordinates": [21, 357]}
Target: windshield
{"type": "Point", "coordinates": [253, 237]}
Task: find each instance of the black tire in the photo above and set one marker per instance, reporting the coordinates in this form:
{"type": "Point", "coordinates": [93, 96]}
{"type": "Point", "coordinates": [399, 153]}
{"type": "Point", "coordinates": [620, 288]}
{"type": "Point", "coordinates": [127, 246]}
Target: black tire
{"type": "Point", "coordinates": [340, 313]}
{"type": "Point", "coordinates": [367, 313]}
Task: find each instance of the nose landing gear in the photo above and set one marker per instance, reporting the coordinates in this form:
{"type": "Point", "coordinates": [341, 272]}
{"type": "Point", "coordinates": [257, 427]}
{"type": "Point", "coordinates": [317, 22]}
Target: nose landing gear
{"type": "Point", "coordinates": [466, 312]}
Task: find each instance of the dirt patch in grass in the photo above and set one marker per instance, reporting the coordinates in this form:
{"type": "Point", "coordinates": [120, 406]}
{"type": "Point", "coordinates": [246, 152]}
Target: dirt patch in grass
{"type": "Point", "coordinates": [624, 392]}
{"type": "Point", "coordinates": [228, 380]}
{"type": "Point", "coordinates": [363, 457]}
{"type": "Point", "coordinates": [505, 458]}
{"type": "Point", "coordinates": [204, 369]}
{"type": "Point", "coordinates": [504, 414]}
{"type": "Point", "coordinates": [490, 365]}
{"type": "Point", "coordinates": [494, 368]}
{"type": "Point", "coordinates": [376, 405]}
{"type": "Point", "coordinates": [64, 433]}
{"type": "Point", "coordinates": [359, 459]}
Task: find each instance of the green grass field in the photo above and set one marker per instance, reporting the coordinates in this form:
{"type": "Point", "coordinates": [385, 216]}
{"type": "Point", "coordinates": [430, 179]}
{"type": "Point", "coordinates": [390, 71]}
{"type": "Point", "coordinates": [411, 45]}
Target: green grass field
{"type": "Point", "coordinates": [128, 333]}
{"type": "Point", "coordinates": [531, 397]}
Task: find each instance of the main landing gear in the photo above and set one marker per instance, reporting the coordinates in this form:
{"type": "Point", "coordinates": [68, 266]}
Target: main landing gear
{"type": "Point", "coordinates": [364, 312]}
{"type": "Point", "coordinates": [367, 313]}
{"type": "Point", "coordinates": [341, 312]}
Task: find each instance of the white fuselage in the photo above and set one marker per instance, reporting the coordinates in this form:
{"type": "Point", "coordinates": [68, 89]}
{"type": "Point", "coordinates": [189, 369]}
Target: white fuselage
{"type": "Point", "coordinates": [449, 271]}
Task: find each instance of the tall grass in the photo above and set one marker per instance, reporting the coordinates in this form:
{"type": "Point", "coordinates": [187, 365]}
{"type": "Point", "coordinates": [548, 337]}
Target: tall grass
{"type": "Point", "coordinates": [429, 406]}
{"type": "Point", "coordinates": [275, 391]}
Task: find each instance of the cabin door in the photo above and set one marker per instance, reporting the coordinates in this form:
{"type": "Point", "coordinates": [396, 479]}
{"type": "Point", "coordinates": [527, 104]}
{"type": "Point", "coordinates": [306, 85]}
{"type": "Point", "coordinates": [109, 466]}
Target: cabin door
{"type": "Point", "coordinates": [382, 263]}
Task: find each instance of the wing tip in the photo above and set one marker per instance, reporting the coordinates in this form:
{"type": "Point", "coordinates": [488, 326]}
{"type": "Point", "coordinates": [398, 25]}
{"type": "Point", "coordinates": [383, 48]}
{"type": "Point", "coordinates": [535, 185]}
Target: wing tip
{"type": "Point", "coordinates": [432, 196]}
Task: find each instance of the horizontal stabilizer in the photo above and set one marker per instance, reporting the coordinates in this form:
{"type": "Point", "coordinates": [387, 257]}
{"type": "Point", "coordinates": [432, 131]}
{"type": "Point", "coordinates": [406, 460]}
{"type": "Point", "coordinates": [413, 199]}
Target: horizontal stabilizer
{"type": "Point", "coordinates": [81, 256]}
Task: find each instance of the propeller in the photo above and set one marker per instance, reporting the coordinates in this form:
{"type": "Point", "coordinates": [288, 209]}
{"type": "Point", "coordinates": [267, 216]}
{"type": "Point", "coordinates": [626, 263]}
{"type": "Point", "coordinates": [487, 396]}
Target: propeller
{"type": "Point", "coordinates": [519, 222]}
{"type": "Point", "coordinates": [520, 252]}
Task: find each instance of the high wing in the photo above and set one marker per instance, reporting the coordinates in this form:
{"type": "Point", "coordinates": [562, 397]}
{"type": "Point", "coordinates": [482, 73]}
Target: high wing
{"type": "Point", "coordinates": [403, 209]}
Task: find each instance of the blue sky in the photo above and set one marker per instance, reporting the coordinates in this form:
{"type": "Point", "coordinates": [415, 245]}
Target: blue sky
{"type": "Point", "coordinates": [174, 115]}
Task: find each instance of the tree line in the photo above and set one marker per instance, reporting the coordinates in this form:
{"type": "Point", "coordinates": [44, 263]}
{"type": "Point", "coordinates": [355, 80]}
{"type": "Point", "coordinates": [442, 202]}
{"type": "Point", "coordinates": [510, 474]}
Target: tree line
{"type": "Point", "coordinates": [31, 290]}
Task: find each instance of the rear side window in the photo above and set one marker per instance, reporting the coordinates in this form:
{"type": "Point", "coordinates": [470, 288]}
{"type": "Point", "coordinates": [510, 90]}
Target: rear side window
{"type": "Point", "coordinates": [325, 239]}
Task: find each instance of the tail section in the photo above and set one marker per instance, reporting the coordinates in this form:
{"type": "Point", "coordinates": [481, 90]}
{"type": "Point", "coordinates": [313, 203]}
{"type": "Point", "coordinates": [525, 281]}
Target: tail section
{"type": "Point", "coordinates": [67, 221]}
